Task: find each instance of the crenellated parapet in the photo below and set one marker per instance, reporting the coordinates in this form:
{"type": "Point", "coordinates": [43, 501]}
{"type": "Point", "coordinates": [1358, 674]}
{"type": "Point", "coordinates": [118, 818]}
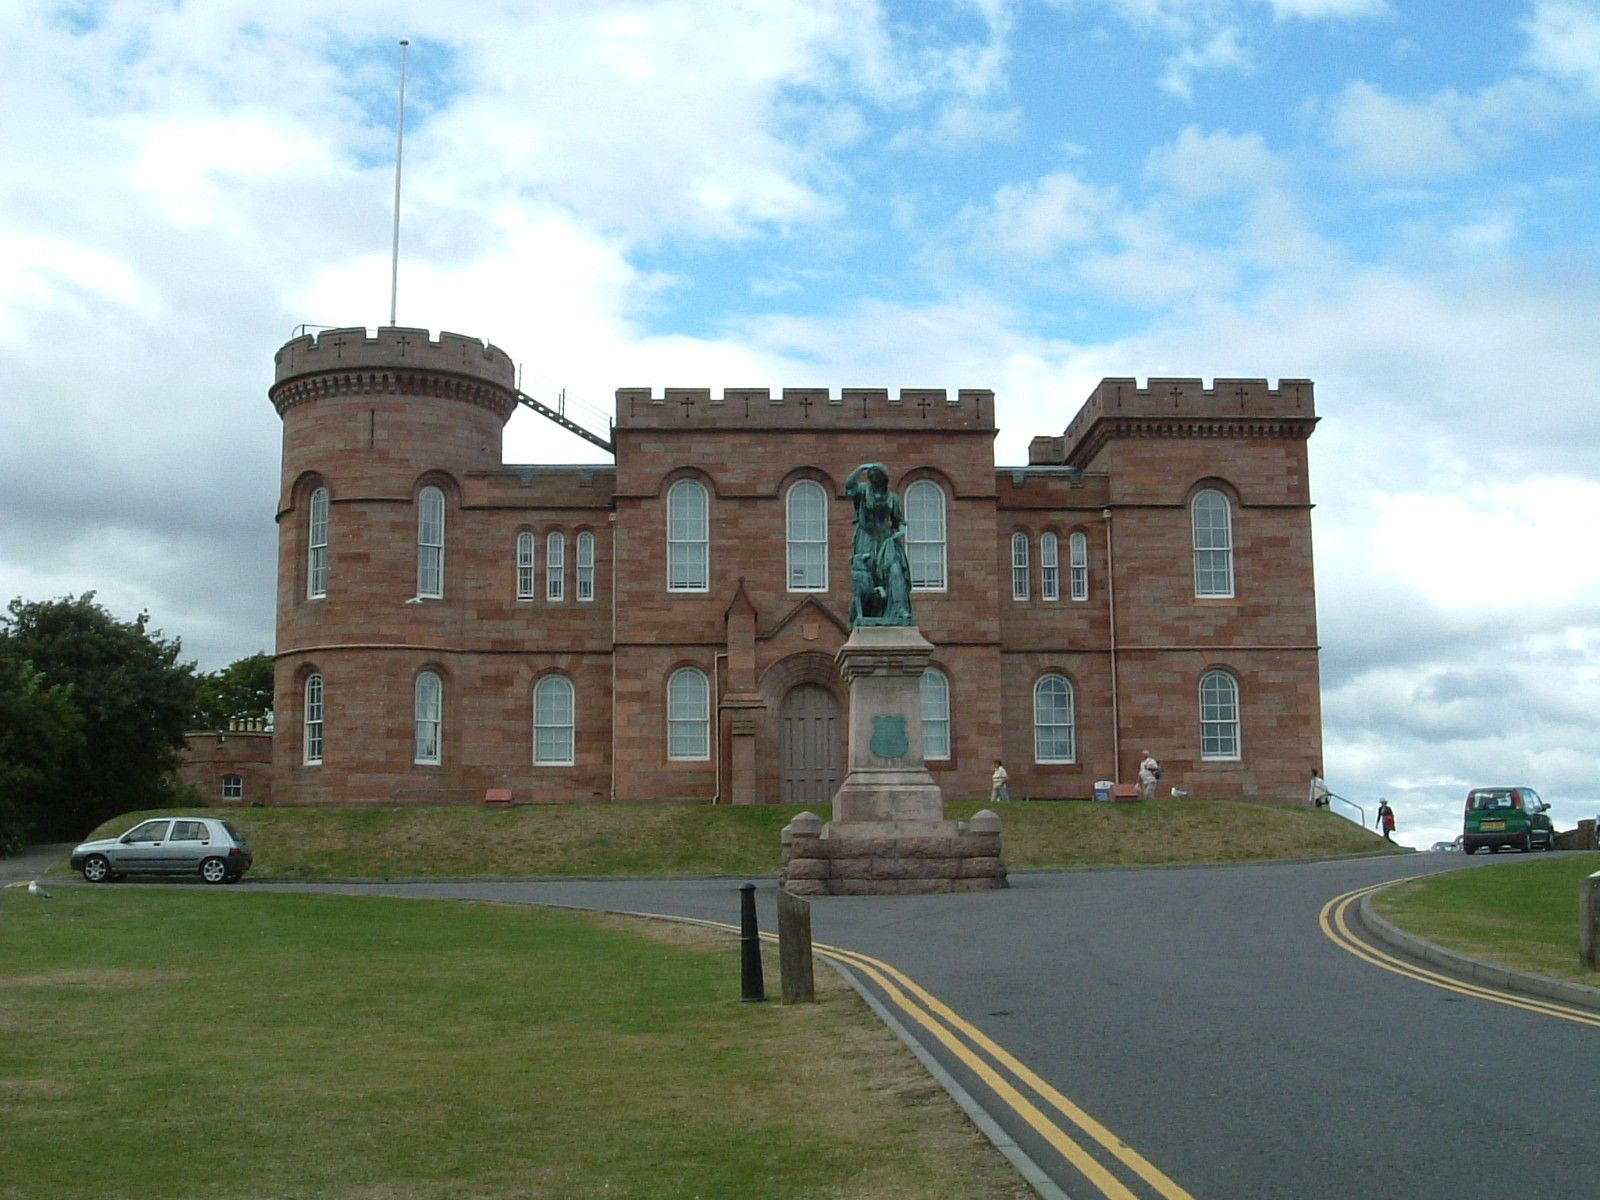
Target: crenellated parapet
{"type": "Point", "coordinates": [339, 363]}
{"type": "Point", "coordinates": [805, 408]}
{"type": "Point", "coordinates": [1181, 408]}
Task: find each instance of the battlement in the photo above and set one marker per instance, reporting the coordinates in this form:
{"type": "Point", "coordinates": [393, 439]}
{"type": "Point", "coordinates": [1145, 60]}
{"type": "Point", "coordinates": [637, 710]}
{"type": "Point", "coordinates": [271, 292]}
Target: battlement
{"type": "Point", "coordinates": [800, 408]}
{"type": "Point", "coordinates": [1178, 402]}
{"type": "Point", "coordinates": [394, 347]}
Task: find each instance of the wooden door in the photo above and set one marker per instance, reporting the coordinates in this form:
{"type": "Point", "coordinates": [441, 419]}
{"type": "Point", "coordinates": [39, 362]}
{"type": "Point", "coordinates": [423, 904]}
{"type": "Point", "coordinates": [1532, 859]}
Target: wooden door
{"type": "Point", "coordinates": [811, 754]}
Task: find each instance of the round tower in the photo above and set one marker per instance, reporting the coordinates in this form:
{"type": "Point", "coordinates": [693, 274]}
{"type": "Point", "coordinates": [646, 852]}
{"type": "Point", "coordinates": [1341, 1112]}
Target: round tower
{"type": "Point", "coordinates": [380, 435]}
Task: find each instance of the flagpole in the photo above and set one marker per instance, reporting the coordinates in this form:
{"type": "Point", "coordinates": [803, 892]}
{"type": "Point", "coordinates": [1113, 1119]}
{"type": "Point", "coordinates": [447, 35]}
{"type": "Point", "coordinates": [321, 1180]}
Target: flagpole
{"type": "Point", "coordinates": [399, 150]}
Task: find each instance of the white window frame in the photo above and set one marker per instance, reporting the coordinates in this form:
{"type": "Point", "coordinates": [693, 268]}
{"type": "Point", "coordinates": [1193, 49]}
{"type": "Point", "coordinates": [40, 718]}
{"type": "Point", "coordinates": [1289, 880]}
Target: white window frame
{"type": "Point", "coordinates": [430, 544]}
{"type": "Point", "coordinates": [317, 548]}
{"type": "Point", "coordinates": [585, 567]}
{"type": "Point", "coordinates": [427, 745]}
{"type": "Point", "coordinates": [1211, 520]}
{"type": "Point", "coordinates": [314, 697]}
{"type": "Point", "coordinates": [688, 537]}
{"type": "Point", "coordinates": [1219, 717]}
{"type": "Point", "coordinates": [554, 721]}
{"type": "Point", "coordinates": [555, 566]}
{"type": "Point", "coordinates": [806, 530]}
{"type": "Point", "coordinates": [527, 578]}
{"type": "Point", "coordinates": [688, 715]}
{"type": "Point", "coordinates": [1049, 567]}
{"type": "Point", "coordinates": [233, 787]}
{"type": "Point", "coordinates": [1078, 564]}
{"type": "Point", "coordinates": [1021, 585]}
{"type": "Point", "coordinates": [926, 536]}
{"type": "Point", "coordinates": [1054, 711]}
{"type": "Point", "coordinates": [935, 690]}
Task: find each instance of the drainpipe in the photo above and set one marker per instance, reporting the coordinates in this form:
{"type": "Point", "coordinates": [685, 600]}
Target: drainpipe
{"type": "Point", "coordinates": [1111, 612]}
{"type": "Point", "coordinates": [716, 720]}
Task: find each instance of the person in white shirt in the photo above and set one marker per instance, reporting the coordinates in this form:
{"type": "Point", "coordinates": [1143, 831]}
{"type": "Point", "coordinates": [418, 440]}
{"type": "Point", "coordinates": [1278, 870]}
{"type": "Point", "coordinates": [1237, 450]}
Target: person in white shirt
{"type": "Point", "coordinates": [1149, 773]}
{"type": "Point", "coordinates": [998, 789]}
{"type": "Point", "coordinates": [1319, 790]}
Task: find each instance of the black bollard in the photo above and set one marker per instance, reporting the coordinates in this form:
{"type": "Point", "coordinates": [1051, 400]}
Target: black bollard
{"type": "Point", "coordinates": [750, 945]}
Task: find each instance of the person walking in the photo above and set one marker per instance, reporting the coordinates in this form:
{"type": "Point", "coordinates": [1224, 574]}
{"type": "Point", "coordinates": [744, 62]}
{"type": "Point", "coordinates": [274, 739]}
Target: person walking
{"type": "Point", "coordinates": [1319, 790]}
{"type": "Point", "coordinates": [997, 788]}
{"type": "Point", "coordinates": [1386, 819]}
{"type": "Point", "coordinates": [1149, 774]}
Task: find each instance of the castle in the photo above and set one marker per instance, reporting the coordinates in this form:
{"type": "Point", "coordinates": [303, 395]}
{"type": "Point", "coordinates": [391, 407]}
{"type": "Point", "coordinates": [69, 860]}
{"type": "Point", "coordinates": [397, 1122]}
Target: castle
{"type": "Point", "coordinates": [663, 627]}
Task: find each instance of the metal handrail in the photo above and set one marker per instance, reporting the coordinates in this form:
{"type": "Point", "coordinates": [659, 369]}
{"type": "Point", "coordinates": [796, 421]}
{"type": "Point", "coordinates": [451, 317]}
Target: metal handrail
{"type": "Point", "coordinates": [1332, 797]}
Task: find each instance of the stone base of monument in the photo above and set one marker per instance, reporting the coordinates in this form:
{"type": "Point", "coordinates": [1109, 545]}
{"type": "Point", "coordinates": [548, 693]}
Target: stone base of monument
{"type": "Point", "coordinates": [889, 858]}
{"type": "Point", "coordinates": [888, 835]}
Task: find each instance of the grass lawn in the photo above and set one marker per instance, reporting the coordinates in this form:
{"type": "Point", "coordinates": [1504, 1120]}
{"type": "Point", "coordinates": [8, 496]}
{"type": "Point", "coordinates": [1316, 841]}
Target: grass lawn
{"type": "Point", "coordinates": [188, 1041]}
{"type": "Point", "coordinates": [701, 839]}
{"type": "Point", "coordinates": [1520, 914]}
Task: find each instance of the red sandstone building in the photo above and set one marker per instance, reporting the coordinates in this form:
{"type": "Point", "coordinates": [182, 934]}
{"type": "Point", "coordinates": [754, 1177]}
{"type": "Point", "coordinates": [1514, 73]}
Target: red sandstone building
{"type": "Point", "coordinates": [663, 627]}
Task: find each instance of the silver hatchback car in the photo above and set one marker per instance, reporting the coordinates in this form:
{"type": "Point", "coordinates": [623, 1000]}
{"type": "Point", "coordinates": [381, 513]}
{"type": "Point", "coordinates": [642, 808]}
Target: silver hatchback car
{"type": "Point", "coordinates": [206, 846]}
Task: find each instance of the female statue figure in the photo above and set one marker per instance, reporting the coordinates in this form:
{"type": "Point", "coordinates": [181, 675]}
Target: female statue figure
{"type": "Point", "coordinates": [880, 573]}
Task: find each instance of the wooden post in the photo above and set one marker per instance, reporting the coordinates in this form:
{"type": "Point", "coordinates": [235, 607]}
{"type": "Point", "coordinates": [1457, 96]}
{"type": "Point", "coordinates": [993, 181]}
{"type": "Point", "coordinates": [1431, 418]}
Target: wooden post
{"type": "Point", "coordinates": [794, 950]}
{"type": "Point", "coordinates": [1589, 921]}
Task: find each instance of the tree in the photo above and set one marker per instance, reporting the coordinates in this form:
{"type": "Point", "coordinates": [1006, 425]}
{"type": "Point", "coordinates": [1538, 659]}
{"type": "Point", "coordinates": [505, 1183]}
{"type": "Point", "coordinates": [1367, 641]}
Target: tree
{"type": "Point", "coordinates": [241, 691]}
{"type": "Point", "coordinates": [40, 735]}
{"type": "Point", "coordinates": [130, 693]}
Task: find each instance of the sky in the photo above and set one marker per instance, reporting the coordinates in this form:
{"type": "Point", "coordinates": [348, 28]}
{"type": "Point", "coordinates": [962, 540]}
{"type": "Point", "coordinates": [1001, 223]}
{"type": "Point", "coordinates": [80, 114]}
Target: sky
{"type": "Point", "coordinates": [1399, 200]}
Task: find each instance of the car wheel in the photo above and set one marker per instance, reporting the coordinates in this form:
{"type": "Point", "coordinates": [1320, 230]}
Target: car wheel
{"type": "Point", "coordinates": [1469, 848]}
{"type": "Point", "coordinates": [214, 870]}
{"type": "Point", "coordinates": [1495, 849]}
{"type": "Point", "coordinates": [1526, 845]}
{"type": "Point", "coordinates": [96, 869]}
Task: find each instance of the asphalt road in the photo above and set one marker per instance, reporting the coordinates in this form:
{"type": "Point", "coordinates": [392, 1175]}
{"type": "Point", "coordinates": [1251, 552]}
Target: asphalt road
{"type": "Point", "coordinates": [1204, 1019]}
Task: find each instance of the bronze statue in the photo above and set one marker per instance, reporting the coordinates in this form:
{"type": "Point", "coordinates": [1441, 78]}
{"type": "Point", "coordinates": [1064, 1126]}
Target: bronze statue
{"type": "Point", "coordinates": [880, 572]}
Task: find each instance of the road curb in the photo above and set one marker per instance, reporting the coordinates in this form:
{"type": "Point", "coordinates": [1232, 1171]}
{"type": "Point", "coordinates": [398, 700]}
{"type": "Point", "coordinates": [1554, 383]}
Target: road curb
{"type": "Point", "coordinates": [1522, 982]}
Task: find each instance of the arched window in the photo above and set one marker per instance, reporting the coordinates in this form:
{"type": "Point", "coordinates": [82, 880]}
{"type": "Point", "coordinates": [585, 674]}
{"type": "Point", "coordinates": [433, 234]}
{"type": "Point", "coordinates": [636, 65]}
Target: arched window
{"type": "Point", "coordinates": [430, 712]}
{"type": "Point", "coordinates": [233, 789]}
{"type": "Point", "coordinates": [935, 714]}
{"type": "Point", "coordinates": [555, 566]}
{"type": "Point", "coordinates": [1055, 737]}
{"type": "Point", "coordinates": [1049, 567]}
{"type": "Point", "coordinates": [688, 715]}
{"type": "Point", "coordinates": [585, 566]}
{"type": "Point", "coordinates": [317, 555]}
{"type": "Point", "coordinates": [925, 540]}
{"type": "Point", "coordinates": [1219, 716]}
{"type": "Point", "coordinates": [525, 578]}
{"type": "Point", "coordinates": [1078, 557]}
{"type": "Point", "coordinates": [553, 722]}
{"type": "Point", "coordinates": [430, 543]}
{"type": "Point", "coordinates": [1019, 566]}
{"type": "Point", "coordinates": [688, 537]}
{"type": "Point", "coordinates": [313, 720]}
{"type": "Point", "coordinates": [1213, 543]}
{"type": "Point", "coordinates": [808, 537]}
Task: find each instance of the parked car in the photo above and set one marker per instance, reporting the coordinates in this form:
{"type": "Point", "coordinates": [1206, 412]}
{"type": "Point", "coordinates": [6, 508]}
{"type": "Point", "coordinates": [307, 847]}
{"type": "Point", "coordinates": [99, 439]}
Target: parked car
{"type": "Point", "coordinates": [1506, 816]}
{"type": "Point", "coordinates": [1444, 847]}
{"type": "Point", "coordinates": [205, 846]}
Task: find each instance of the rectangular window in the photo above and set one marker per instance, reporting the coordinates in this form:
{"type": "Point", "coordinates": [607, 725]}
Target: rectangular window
{"type": "Point", "coordinates": [808, 537]}
{"type": "Point", "coordinates": [430, 544]}
{"type": "Point", "coordinates": [233, 787]}
{"type": "Point", "coordinates": [1019, 566]}
{"type": "Point", "coordinates": [430, 705]}
{"type": "Point", "coordinates": [317, 566]}
{"type": "Point", "coordinates": [555, 567]}
{"type": "Point", "coordinates": [585, 566]}
{"type": "Point", "coordinates": [1049, 568]}
{"type": "Point", "coordinates": [525, 582]}
{"type": "Point", "coordinates": [688, 537]}
{"type": "Point", "coordinates": [1078, 549]}
{"type": "Point", "coordinates": [313, 721]}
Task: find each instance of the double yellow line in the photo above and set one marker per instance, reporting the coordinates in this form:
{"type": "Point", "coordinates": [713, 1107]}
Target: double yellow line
{"type": "Point", "coordinates": [1335, 921]}
{"type": "Point", "coordinates": [1071, 1132]}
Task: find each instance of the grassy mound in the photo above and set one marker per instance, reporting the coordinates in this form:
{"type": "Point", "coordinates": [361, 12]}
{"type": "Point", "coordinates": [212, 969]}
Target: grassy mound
{"type": "Point", "coordinates": [673, 839]}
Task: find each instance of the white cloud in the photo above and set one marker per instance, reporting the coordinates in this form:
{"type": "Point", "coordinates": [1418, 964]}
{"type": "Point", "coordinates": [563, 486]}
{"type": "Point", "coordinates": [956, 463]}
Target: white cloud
{"type": "Point", "coordinates": [1224, 51]}
{"type": "Point", "coordinates": [1564, 41]}
{"type": "Point", "coordinates": [1036, 220]}
{"type": "Point", "coordinates": [1201, 165]}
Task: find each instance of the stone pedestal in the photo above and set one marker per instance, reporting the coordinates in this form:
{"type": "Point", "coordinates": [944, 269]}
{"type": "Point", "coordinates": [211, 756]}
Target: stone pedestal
{"type": "Point", "coordinates": [889, 834]}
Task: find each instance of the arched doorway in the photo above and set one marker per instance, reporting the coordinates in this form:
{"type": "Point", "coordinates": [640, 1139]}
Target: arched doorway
{"type": "Point", "coordinates": [809, 718]}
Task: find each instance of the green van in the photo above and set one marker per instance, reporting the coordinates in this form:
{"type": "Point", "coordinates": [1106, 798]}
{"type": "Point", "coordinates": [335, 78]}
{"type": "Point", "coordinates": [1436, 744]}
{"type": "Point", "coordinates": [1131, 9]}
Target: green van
{"type": "Point", "coordinates": [1507, 816]}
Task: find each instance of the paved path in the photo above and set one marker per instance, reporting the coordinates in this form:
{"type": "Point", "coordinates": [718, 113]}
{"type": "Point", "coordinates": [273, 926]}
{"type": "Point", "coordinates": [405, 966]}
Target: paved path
{"type": "Point", "coordinates": [1201, 1021]}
